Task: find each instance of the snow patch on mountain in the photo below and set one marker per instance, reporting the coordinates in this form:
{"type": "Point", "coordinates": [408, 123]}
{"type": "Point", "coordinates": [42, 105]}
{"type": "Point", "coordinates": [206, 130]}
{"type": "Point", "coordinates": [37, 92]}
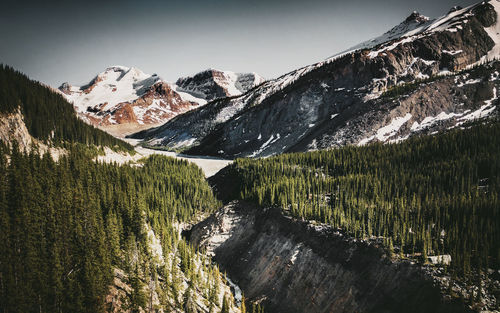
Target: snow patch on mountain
{"type": "Point", "coordinates": [189, 97]}
{"type": "Point", "coordinates": [268, 142]}
{"type": "Point", "coordinates": [469, 82]}
{"type": "Point", "coordinates": [451, 21]}
{"type": "Point", "coordinates": [494, 33]}
{"type": "Point", "coordinates": [387, 131]}
{"type": "Point", "coordinates": [375, 53]}
{"type": "Point", "coordinates": [452, 52]}
{"type": "Point", "coordinates": [431, 120]}
{"type": "Point", "coordinates": [239, 83]}
{"type": "Point", "coordinates": [484, 111]}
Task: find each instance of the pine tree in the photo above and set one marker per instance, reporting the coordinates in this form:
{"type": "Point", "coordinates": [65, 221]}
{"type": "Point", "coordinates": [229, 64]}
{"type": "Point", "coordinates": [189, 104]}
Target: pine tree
{"type": "Point", "coordinates": [243, 307]}
{"type": "Point", "coordinates": [225, 304]}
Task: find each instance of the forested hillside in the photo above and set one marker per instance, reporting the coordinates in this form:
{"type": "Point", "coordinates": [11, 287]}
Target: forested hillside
{"type": "Point", "coordinates": [65, 226]}
{"type": "Point", "coordinates": [47, 115]}
{"type": "Point", "coordinates": [431, 195]}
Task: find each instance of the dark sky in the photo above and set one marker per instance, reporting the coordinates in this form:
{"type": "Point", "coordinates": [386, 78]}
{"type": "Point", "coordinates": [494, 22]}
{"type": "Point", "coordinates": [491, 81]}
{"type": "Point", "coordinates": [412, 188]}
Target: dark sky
{"type": "Point", "coordinates": [57, 41]}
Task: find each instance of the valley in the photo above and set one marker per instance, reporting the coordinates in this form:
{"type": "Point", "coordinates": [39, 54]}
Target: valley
{"type": "Point", "coordinates": [208, 164]}
{"type": "Point", "coordinates": [365, 182]}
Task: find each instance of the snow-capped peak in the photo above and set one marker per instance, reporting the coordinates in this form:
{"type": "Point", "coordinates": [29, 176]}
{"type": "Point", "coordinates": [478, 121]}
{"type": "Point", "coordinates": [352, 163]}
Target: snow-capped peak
{"type": "Point", "coordinates": [127, 95]}
{"type": "Point", "coordinates": [116, 84]}
{"type": "Point", "coordinates": [212, 83]}
{"type": "Point", "coordinates": [118, 73]}
{"type": "Point", "coordinates": [416, 17]}
{"type": "Point", "coordinates": [413, 24]}
{"type": "Point", "coordinates": [117, 68]}
{"type": "Point", "coordinates": [419, 25]}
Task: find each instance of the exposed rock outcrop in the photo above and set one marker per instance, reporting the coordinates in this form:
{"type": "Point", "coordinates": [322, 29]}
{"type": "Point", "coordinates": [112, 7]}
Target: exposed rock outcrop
{"type": "Point", "coordinates": [13, 129]}
{"type": "Point", "coordinates": [170, 289]}
{"type": "Point", "coordinates": [294, 266]}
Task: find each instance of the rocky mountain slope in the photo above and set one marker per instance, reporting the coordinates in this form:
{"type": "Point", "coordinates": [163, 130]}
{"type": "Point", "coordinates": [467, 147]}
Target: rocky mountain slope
{"type": "Point", "coordinates": [295, 266]}
{"type": "Point", "coordinates": [122, 99]}
{"type": "Point", "coordinates": [411, 80]}
{"type": "Point", "coordinates": [212, 84]}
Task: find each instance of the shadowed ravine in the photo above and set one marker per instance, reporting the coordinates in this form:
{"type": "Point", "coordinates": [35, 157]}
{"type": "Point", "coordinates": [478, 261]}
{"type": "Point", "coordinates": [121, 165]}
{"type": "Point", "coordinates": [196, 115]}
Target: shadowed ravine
{"type": "Point", "coordinates": [293, 266]}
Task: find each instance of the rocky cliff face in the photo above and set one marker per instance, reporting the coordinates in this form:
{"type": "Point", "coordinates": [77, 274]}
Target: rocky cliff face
{"type": "Point", "coordinates": [375, 92]}
{"type": "Point", "coordinates": [13, 129]}
{"type": "Point", "coordinates": [294, 266]}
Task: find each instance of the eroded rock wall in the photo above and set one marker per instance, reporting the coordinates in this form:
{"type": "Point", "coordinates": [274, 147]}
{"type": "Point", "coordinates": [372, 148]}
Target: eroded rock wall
{"type": "Point", "coordinates": [294, 266]}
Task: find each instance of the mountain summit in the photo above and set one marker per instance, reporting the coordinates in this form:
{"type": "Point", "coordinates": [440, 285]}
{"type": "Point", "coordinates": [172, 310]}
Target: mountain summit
{"type": "Point", "coordinates": [212, 84]}
{"type": "Point", "coordinates": [414, 23]}
{"type": "Point", "coordinates": [416, 17]}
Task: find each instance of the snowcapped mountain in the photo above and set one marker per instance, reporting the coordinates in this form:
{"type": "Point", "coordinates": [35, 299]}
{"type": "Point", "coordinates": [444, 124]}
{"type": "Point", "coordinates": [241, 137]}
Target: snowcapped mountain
{"type": "Point", "coordinates": [414, 23]}
{"type": "Point", "coordinates": [422, 76]}
{"type": "Point", "coordinates": [123, 99]}
{"type": "Point", "coordinates": [212, 84]}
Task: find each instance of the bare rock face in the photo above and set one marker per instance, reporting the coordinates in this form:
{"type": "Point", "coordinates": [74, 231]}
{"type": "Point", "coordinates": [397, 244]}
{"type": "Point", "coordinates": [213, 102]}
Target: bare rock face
{"type": "Point", "coordinates": [293, 266]}
{"type": "Point", "coordinates": [190, 295]}
{"type": "Point", "coordinates": [375, 92]}
{"type": "Point", "coordinates": [12, 128]}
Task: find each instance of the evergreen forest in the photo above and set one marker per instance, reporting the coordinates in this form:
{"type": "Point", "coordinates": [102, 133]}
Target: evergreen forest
{"type": "Point", "coordinates": [66, 225]}
{"type": "Point", "coordinates": [428, 195]}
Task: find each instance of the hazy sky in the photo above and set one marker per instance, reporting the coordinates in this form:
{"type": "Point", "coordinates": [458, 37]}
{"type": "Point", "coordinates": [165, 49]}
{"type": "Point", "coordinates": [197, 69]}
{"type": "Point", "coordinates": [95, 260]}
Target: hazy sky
{"type": "Point", "coordinates": [57, 41]}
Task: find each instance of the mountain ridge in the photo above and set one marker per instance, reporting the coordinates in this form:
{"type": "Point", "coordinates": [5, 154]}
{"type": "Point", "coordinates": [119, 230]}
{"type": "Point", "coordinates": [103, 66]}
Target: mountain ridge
{"type": "Point", "coordinates": [321, 101]}
{"type": "Point", "coordinates": [121, 96]}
